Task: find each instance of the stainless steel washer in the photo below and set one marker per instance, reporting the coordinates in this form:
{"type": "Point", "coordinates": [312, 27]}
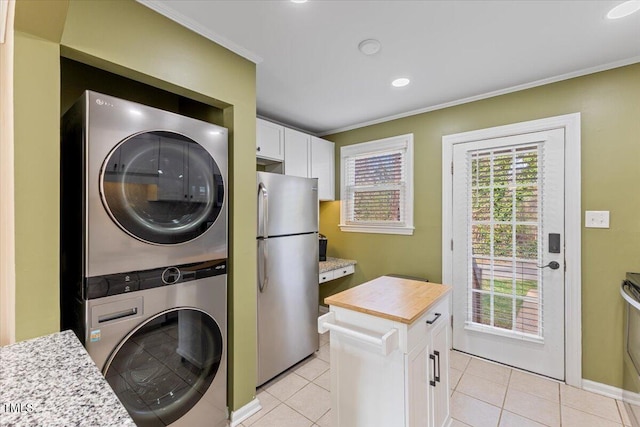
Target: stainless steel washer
{"type": "Point", "coordinates": [163, 348]}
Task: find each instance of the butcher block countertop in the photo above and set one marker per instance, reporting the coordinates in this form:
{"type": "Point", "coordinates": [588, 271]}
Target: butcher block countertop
{"type": "Point", "coordinates": [393, 298]}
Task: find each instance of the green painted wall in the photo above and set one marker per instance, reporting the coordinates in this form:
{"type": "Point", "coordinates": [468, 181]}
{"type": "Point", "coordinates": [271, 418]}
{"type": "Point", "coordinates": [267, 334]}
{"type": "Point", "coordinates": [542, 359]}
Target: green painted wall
{"type": "Point", "coordinates": [610, 107]}
{"type": "Point", "coordinates": [130, 40]}
{"type": "Point", "coordinates": [37, 195]}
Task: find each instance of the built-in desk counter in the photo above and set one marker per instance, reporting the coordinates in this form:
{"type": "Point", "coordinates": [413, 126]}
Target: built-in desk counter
{"type": "Point", "coordinates": [389, 348]}
{"type": "Point", "coordinates": [52, 381]}
{"type": "Point", "coordinates": [335, 268]}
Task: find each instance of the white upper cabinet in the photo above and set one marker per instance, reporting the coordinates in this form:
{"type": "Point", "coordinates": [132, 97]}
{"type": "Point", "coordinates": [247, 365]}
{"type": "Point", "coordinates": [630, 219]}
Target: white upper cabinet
{"type": "Point", "coordinates": [297, 152]}
{"type": "Point", "coordinates": [323, 167]}
{"type": "Point", "coordinates": [301, 155]}
{"type": "Point", "coordinates": [269, 141]}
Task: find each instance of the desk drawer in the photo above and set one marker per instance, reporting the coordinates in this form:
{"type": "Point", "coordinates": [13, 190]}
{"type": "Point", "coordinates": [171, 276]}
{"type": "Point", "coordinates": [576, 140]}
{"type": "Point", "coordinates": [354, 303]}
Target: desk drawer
{"type": "Point", "coordinates": [326, 276]}
{"type": "Point", "coordinates": [344, 271]}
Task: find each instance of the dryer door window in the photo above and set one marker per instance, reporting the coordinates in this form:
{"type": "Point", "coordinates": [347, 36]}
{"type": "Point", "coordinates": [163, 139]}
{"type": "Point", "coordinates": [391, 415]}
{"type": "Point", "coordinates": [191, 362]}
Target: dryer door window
{"type": "Point", "coordinates": [162, 187]}
{"type": "Point", "coordinates": [165, 367]}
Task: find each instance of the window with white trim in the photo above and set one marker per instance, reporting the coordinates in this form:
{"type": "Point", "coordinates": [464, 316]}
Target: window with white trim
{"type": "Point", "coordinates": [376, 186]}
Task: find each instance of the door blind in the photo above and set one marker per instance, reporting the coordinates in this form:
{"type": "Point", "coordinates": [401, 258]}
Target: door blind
{"type": "Point", "coordinates": [504, 240]}
{"type": "Point", "coordinates": [376, 188]}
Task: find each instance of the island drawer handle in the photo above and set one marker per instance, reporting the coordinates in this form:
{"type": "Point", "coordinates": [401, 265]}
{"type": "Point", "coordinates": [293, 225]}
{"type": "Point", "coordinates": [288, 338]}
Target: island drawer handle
{"type": "Point", "coordinates": [386, 343]}
{"type": "Point", "coordinates": [431, 322]}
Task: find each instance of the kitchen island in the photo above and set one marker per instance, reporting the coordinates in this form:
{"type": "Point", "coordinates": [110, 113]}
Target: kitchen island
{"type": "Point", "coordinates": [389, 346]}
{"type": "Point", "coordinates": [52, 381]}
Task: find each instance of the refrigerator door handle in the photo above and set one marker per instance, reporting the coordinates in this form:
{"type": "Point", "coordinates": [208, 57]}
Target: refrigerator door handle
{"type": "Point", "coordinates": [265, 244]}
{"type": "Point", "coordinates": [265, 254]}
{"type": "Point", "coordinates": [265, 208]}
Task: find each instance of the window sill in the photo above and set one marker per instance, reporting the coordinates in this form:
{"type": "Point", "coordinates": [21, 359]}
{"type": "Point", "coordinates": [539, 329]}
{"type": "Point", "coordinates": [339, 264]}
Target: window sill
{"type": "Point", "coordinates": [377, 229]}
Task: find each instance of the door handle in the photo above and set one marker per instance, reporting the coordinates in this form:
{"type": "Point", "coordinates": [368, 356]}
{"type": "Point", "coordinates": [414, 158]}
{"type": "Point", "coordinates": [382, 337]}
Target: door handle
{"type": "Point", "coordinates": [265, 244]}
{"type": "Point", "coordinates": [554, 265]}
{"type": "Point", "coordinates": [119, 315]}
{"type": "Point", "coordinates": [265, 275]}
{"type": "Point", "coordinates": [265, 208]}
{"type": "Point", "coordinates": [437, 354]}
{"type": "Point", "coordinates": [265, 258]}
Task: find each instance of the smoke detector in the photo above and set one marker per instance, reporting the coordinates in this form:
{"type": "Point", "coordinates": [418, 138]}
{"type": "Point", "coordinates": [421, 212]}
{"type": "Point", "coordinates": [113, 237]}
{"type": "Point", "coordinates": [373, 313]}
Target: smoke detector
{"type": "Point", "coordinates": [369, 46]}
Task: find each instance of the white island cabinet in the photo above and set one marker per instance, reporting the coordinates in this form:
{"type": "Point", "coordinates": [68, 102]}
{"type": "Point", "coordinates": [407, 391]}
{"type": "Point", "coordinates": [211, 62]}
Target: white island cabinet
{"type": "Point", "coordinates": [389, 344]}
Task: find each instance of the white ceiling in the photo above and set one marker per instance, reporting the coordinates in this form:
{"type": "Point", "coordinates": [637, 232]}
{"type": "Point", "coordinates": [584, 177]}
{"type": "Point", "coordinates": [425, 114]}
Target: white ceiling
{"type": "Point", "coordinates": [311, 75]}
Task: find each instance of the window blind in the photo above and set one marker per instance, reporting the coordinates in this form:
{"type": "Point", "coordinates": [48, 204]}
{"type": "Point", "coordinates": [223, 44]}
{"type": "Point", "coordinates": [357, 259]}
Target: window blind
{"type": "Point", "coordinates": [375, 185]}
{"type": "Point", "coordinates": [504, 239]}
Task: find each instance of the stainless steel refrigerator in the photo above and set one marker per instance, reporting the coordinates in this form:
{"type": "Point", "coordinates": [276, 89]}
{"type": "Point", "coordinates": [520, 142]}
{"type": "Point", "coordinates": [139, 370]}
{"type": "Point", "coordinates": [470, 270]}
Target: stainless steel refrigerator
{"type": "Point", "coordinates": [287, 241]}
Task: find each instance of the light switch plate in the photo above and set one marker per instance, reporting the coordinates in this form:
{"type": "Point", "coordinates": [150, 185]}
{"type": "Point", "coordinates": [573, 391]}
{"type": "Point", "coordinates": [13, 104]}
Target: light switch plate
{"type": "Point", "coordinates": [596, 219]}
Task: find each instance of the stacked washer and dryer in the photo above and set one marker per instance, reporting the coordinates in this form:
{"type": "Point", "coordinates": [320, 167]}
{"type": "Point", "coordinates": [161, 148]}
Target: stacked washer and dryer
{"type": "Point", "coordinates": [144, 256]}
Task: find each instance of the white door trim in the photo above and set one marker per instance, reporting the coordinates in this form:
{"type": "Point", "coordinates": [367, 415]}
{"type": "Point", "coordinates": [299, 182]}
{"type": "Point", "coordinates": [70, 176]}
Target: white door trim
{"type": "Point", "coordinates": [7, 181]}
{"type": "Point", "coordinates": [572, 212]}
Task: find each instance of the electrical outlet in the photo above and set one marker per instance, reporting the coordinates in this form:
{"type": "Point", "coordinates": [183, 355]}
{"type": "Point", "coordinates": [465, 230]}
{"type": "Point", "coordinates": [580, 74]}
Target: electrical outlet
{"type": "Point", "coordinates": [596, 219]}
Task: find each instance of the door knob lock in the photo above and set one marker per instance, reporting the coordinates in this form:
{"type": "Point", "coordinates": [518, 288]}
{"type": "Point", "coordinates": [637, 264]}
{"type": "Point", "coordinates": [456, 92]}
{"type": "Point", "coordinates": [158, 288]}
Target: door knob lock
{"type": "Point", "coordinates": [554, 265]}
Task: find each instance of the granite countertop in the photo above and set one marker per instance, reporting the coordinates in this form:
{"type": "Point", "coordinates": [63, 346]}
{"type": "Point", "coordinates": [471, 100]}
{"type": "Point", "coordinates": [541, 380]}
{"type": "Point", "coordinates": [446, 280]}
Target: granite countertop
{"type": "Point", "coordinates": [393, 298]}
{"type": "Point", "coordinates": [52, 381]}
{"type": "Point", "coordinates": [335, 263]}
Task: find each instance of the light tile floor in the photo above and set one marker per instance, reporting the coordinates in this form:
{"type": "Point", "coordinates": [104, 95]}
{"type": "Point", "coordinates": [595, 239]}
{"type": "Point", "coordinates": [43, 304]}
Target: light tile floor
{"type": "Point", "coordinates": [488, 394]}
{"type": "Point", "coordinates": [299, 397]}
{"type": "Point", "coordinates": [483, 394]}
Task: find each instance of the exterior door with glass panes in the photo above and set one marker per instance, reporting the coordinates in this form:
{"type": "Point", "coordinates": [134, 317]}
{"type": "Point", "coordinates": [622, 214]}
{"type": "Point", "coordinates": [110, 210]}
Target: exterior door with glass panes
{"type": "Point", "coordinates": [508, 251]}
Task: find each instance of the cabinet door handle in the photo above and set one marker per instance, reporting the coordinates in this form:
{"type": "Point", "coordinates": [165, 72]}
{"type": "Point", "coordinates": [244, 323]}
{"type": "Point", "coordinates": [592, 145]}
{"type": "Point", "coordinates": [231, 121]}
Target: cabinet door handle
{"type": "Point", "coordinates": [258, 149]}
{"type": "Point", "coordinates": [437, 354]}
{"type": "Point", "coordinates": [431, 322]}
{"type": "Point", "coordinates": [433, 359]}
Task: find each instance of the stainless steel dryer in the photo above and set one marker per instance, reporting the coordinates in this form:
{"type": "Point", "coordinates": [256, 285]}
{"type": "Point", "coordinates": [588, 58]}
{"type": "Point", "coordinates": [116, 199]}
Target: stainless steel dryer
{"type": "Point", "coordinates": [145, 187]}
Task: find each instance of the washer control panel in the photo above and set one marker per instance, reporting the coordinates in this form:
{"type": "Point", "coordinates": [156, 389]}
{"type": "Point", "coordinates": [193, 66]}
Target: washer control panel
{"type": "Point", "coordinates": [121, 283]}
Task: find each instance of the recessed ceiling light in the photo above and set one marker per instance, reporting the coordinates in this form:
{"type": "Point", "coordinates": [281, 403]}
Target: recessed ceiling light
{"type": "Point", "coordinates": [369, 46]}
{"type": "Point", "coordinates": [624, 9]}
{"type": "Point", "coordinates": [403, 81]}
{"type": "Point", "coordinates": [298, 1]}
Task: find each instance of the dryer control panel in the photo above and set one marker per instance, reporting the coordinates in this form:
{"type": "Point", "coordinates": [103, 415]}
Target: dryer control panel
{"type": "Point", "coordinates": [121, 283]}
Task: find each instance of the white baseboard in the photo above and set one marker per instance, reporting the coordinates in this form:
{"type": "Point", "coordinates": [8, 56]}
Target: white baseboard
{"type": "Point", "coordinates": [631, 397]}
{"type": "Point", "coordinates": [612, 392]}
{"type": "Point", "coordinates": [603, 389]}
{"type": "Point", "coordinates": [237, 417]}
{"type": "Point", "coordinates": [323, 309]}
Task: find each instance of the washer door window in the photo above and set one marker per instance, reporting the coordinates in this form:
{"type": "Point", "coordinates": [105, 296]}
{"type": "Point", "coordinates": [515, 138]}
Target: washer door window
{"type": "Point", "coordinates": [161, 371]}
{"type": "Point", "coordinates": [162, 187]}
